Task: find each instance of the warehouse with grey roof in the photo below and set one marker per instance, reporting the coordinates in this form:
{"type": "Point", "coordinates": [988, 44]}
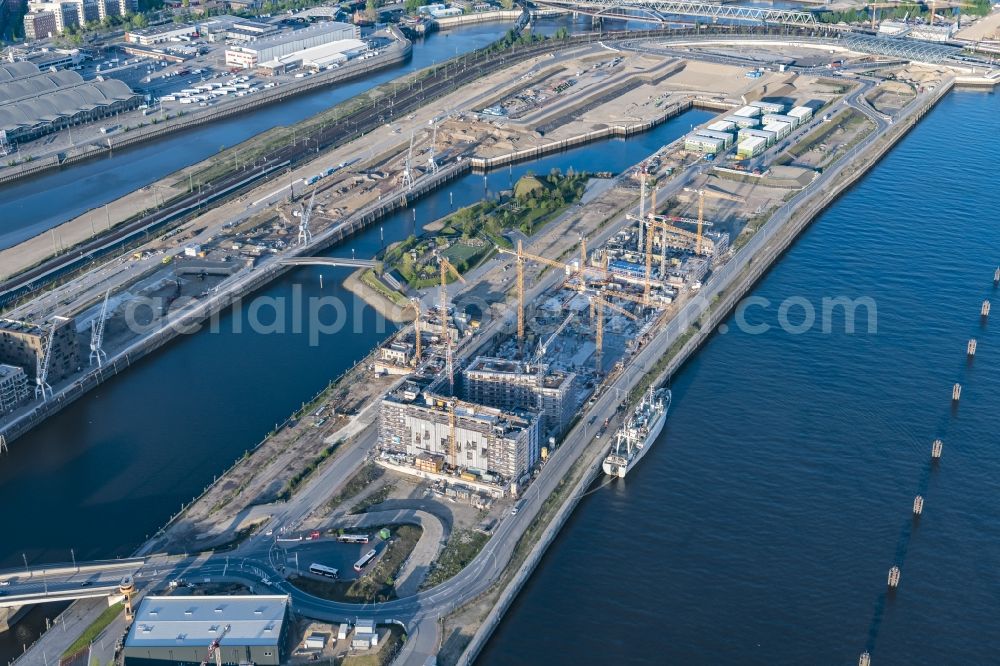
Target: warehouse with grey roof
{"type": "Point", "coordinates": [34, 102]}
{"type": "Point", "coordinates": [245, 629]}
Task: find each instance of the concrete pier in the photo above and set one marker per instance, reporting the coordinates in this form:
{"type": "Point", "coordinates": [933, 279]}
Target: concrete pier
{"type": "Point", "coordinates": [10, 616]}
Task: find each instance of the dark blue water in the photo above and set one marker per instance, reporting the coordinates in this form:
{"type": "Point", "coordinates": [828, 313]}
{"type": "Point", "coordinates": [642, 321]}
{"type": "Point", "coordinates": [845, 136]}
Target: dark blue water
{"type": "Point", "coordinates": [30, 207]}
{"type": "Point", "coordinates": [761, 528]}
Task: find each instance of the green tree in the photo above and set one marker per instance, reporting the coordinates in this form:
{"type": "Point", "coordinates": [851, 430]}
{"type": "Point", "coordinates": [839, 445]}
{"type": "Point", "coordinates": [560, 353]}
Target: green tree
{"type": "Point", "coordinates": [412, 6]}
{"type": "Point", "coordinates": [507, 4]}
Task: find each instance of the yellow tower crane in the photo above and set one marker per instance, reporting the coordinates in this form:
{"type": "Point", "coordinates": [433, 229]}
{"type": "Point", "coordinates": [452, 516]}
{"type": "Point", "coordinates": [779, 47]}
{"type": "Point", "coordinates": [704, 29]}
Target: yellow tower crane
{"type": "Point", "coordinates": [950, 4]}
{"type": "Point", "coordinates": [878, 5]}
{"type": "Point", "coordinates": [452, 443]}
{"type": "Point", "coordinates": [649, 261]}
{"type": "Point", "coordinates": [447, 267]}
{"type": "Point", "coordinates": [601, 303]}
{"type": "Point", "coordinates": [702, 193]}
{"type": "Point", "coordinates": [522, 256]}
{"type": "Point", "coordinates": [415, 304]}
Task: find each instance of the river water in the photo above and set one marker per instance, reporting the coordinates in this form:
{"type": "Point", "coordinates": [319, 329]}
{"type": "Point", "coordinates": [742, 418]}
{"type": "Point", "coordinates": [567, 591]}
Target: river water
{"type": "Point", "coordinates": [761, 527]}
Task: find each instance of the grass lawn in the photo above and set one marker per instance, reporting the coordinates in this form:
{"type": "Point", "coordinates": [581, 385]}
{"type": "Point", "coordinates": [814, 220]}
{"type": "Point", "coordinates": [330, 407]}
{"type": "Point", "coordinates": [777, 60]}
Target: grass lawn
{"type": "Point", "coordinates": [91, 632]}
{"type": "Point", "coordinates": [462, 547]}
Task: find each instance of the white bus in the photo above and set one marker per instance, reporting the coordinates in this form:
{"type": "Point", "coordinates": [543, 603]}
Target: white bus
{"type": "Point", "coordinates": [321, 570]}
{"type": "Point", "coordinates": [353, 538]}
{"type": "Point", "coordinates": [364, 561]}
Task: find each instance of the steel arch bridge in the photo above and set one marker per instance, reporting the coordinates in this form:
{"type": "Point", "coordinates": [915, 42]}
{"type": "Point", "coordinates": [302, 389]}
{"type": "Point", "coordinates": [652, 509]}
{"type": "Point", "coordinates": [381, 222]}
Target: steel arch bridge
{"type": "Point", "coordinates": [904, 48]}
{"type": "Point", "coordinates": [660, 9]}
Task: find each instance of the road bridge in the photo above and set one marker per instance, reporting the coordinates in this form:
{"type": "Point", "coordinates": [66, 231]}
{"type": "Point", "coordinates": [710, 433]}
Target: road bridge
{"type": "Point", "coordinates": [65, 582]}
{"type": "Point", "coordinates": [326, 261]}
{"type": "Point", "coordinates": [661, 10]}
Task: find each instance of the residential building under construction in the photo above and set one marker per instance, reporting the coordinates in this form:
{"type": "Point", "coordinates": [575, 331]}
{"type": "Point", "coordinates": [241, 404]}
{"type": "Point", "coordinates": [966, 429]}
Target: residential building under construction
{"type": "Point", "coordinates": [510, 385]}
{"type": "Point", "coordinates": [437, 431]}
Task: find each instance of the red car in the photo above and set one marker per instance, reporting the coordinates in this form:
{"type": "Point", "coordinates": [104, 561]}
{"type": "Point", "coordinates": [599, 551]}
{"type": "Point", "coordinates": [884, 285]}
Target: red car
{"type": "Point", "coordinates": [313, 535]}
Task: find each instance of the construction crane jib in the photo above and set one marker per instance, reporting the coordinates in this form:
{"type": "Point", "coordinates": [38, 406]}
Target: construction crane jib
{"type": "Point", "coordinates": [97, 353]}
{"type": "Point", "coordinates": [305, 235]}
{"type": "Point", "coordinates": [447, 267]}
{"type": "Point", "coordinates": [42, 388]}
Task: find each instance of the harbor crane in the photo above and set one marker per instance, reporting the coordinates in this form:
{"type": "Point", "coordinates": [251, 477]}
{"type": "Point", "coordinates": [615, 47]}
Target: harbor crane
{"type": "Point", "coordinates": [408, 166]}
{"type": "Point", "coordinates": [305, 235]}
{"type": "Point", "coordinates": [42, 388]}
{"type": "Point", "coordinates": [214, 653]}
{"type": "Point", "coordinates": [447, 267]}
{"type": "Point", "coordinates": [431, 163]}
{"type": "Point", "coordinates": [97, 353]}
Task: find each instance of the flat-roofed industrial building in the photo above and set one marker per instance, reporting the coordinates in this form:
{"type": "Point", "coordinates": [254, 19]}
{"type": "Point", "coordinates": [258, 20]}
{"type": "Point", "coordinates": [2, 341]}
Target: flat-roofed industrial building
{"type": "Point", "coordinates": [780, 129]}
{"type": "Point", "coordinates": [267, 49]}
{"type": "Point", "coordinates": [768, 107]}
{"type": "Point", "coordinates": [751, 147]}
{"type": "Point", "coordinates": [748, 111]}
{"type": "Point", "coordinates": [725, 137]}
{"type": "Point", "coordinates": [743, 121]}
{"type": "Point", "coordinates": [316, 58]}
{"type": "Point", "coordinates": [169, 631]}
{"type": "Point", "coordinates": [770, 137]}
{"type": "Point", "coordinates": [722, 126]}
{"type": "Point", "coordinates": [803, 113]}
{"type": "Point", "coordinates": [161, 33]}
{"type": "Point", "coordinates": [780, 118]}
{"type": "Point", "coordinates": [700, 143]}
